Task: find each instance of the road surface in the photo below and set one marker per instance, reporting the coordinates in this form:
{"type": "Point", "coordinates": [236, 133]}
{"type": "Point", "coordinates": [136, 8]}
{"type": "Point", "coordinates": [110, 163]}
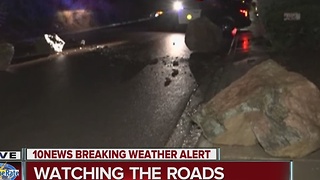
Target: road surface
{"type": "Point", "coordinates": [126, 95]}
{"type": "Point", "coordinates": [127, 87]}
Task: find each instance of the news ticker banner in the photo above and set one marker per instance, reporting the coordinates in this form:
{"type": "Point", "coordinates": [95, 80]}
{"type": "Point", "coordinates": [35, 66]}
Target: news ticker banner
{"type": "Point", "coordinates": [135, 164]}
{"type": "Point", "coordinates": [122, 154]}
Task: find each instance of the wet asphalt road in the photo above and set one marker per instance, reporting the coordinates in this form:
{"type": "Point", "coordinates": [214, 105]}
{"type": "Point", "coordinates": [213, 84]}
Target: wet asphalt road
{"type": "Point", "coordinates": [130, 95]}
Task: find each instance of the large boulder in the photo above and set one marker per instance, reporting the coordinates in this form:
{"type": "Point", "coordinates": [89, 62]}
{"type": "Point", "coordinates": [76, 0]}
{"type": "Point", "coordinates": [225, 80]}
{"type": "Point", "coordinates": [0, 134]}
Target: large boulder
{"type": "Point", "coordinates": [268, 105]}
{"type": "Point", "coordinates": [6, 55]}
{"type": "Point", "coordinates": [202, 35]}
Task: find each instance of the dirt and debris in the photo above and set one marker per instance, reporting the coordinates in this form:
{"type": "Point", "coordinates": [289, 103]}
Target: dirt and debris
{"type": "Point", "coordinates": [175, 63]}
{"type": "Point", "coordinates": [175, 72]}
{"type": "Point", "coordinates": [167, 82]}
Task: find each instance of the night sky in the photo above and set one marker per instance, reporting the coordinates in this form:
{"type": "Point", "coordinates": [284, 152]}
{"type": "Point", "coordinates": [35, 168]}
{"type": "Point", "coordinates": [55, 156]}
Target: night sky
{"type": "Point", "coordinates": [21, 18]}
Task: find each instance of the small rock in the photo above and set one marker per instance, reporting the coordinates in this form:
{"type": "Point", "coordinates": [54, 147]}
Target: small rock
{"type": "Point", "coordinates": [83, 42]}
{"type": "Point", "coordinates": [175, 72]}
{"type": "Point", "coordinates": [167, 82]}
{"type": "Point", "coordinates": [175, 63]}
{"type": "Point", "coordinates": [164, 62]}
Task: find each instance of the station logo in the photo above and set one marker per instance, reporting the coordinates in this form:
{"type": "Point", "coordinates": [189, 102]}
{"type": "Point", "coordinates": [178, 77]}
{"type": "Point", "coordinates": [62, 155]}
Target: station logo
{"type": "Point", "coordinates": [8, 172]}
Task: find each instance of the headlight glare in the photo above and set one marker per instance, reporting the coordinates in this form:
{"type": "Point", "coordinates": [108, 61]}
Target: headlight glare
{"type": "Point", "coordinates": [177, 6]}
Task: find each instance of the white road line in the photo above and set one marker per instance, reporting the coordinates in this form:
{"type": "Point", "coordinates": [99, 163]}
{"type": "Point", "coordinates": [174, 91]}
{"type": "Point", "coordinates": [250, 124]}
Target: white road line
{"type": "Point", "coordinates": [233, 45]}
{"type": "Point", "coordinates": [68, 52]}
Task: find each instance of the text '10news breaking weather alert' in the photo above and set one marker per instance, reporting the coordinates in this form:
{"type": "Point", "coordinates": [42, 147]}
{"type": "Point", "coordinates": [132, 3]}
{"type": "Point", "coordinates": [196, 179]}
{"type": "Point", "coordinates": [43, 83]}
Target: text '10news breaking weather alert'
{"type": "Point", "coordinates": [135, 164]}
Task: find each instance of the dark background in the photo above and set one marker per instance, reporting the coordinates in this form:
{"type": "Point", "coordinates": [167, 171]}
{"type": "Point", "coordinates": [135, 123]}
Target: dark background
{"type": "Point", "coordinates": [20, 19]}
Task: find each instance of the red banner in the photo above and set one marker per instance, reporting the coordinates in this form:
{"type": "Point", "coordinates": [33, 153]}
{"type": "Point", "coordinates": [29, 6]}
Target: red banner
{"type": "Point", "coordinates": [159, 170]}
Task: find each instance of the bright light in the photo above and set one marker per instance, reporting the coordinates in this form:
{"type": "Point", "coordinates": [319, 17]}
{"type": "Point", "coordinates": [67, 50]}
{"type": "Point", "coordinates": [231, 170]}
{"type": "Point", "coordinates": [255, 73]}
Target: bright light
{"type": "Point", "coordinates": [244, 12]}
{"type": "Point", "coordinates": [177, 6]}
{"type": "Point", "coordinates": [234, 31]}
{"type": "Point", "coordinates": [189, 16]}
{"type": "Point", "coordinates": [158, 13]}
{"type": "Point", "coordinates": [245, 44]}
{"type": "Point", "coordinates": [175, 45]}
{"type": "Point", "coordinates": [55, 42]}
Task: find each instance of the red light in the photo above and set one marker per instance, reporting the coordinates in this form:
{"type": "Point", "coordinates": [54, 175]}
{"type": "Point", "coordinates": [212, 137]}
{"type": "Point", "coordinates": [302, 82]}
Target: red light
{"type": "Point", "coordinates": [245, 44]}
{"type": "Point", "coordinates": [234, 31]}
{"type": "Point", "coordinates": [245, 12]}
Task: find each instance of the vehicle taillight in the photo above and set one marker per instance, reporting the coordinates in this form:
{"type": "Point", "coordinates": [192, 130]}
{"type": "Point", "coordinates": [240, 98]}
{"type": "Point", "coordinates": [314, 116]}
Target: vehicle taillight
{"type": "Point", "coordinates": [244, 12]}
{"type": "Point", "coordinates": [234, 32]}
